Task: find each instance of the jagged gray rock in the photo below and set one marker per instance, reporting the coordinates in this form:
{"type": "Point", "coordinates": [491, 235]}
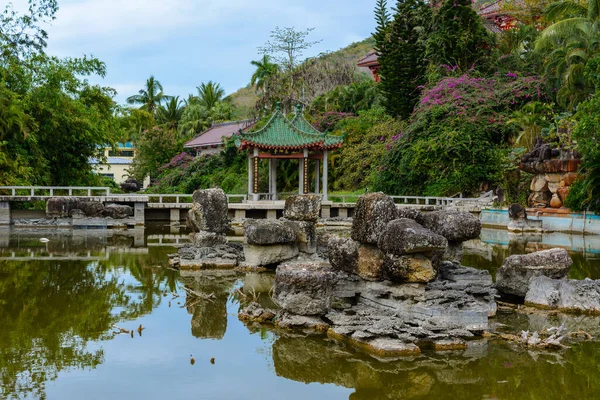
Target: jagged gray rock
{"type": "Point", "coordinates": [343, 253]}
{"type": "Point", "coordinates": [454, 225]}
{"type": "Point", "coordinates": [262, 255]}
{"type": "Point", "coordinates": [304, 289]}
{"type": "Point", "coordinates": [516, 271]}
{"type": "Point", "coordinates": [209, 211]}
{"type": "Point", "coordinates": [405, 236]}
{"type": "Point", "coordinates": [415, 268]}
{"type": "Point", "coordinates": [207, 239]}
{"type": "Point", "coordinates": [118, 211]}
{"type": "Point", "coordinates": [306, 234]}
{"type": "Point", "coordinates": [564, 294]}
{"type": "Point", "coordinates": [302, 207]}
{"type": "Point", "coordinates": [267, 232]}
{"type": "Point", "coordinates": [372, 213]}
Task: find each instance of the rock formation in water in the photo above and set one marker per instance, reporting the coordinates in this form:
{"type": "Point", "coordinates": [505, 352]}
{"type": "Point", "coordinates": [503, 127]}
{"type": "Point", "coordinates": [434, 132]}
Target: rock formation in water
{"type": "Point", "coordinates": [517, 270]}
{"type": "Point", "coordinates": [208, 218]}
{"type": "Point", "coordinates": [388, 287]}
{"type": "Point", "coordinates": [555, 171]}
{"type": "Point", "coordinates": [270, 242]}
{"type": "Point", "coordinates": [72, 207]}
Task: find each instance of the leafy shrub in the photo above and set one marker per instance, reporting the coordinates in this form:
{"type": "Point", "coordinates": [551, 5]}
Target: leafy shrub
{"type": "Point", "coordinates": [457, 137]}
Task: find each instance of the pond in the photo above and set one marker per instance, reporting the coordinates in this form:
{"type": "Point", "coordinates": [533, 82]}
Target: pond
{"type": "Point", "coordinates": [65, 306]}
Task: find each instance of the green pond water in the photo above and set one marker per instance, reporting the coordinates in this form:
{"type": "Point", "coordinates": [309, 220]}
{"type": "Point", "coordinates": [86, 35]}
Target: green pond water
{"type": "Point", "coordinates": [63, 302]}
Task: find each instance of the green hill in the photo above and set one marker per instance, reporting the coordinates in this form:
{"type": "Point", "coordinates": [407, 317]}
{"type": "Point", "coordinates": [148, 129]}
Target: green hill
{"type": "Point", "coordinates": [245, 98]}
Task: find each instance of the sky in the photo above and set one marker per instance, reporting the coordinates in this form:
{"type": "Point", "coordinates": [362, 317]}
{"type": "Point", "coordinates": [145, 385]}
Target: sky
{"type": "Point", "coordinates": [186, 42]}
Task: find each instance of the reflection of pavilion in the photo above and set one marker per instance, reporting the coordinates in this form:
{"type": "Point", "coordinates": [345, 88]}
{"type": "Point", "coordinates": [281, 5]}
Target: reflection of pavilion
{"type": "Point", "coordinates": [282, 139]}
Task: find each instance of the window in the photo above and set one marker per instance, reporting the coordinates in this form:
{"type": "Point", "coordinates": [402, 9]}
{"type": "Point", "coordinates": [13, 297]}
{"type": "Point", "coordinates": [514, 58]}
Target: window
{"type": "Point", "coordinates": [111, 176]}
{"type": "Point", "coordinates": [120, 153]}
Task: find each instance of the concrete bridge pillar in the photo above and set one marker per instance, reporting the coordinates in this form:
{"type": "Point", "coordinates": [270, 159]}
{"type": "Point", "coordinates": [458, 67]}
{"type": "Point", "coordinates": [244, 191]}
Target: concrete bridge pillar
{"type": "Point", "coordinates": [325, 211]}
{"type": "Point", "coordinates": [4, 213]}
{"type": "Point", "coordinates": [175, 215]}
{"type": "Point", "coordinates": [343, 212]}
{"type": "Point", "coordinates": [240, 214]}
{"type": "Point", "coordinates": [271, 214]}
{"type": "Point", "coordinates": [138, 213]}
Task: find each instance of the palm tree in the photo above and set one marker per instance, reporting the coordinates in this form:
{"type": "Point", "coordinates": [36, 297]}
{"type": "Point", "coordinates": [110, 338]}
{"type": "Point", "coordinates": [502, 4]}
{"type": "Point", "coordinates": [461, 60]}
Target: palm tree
{"type": "Point", "coordinates": [209, 94]}
{"type": "Point", "coordinates": [170, 114]}
{"type": "Point", "coordinates": [150, 97]}
{"type": "Point", "coordinates": [265, 69]}
{"type": "Point", "coordinates": [569, 43]}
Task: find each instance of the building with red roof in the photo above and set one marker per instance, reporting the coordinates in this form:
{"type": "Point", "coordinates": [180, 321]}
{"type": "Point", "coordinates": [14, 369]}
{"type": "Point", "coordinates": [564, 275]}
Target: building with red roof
{"type": "Point", "coordinates": [211, 140]}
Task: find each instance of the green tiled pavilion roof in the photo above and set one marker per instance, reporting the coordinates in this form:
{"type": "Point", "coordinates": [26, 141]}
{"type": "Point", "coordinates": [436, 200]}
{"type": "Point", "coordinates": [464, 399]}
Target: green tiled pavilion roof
{"type": "Point", "coordinates": [331, 141]}
{"type": "Point", "coordinates": [280, 133]}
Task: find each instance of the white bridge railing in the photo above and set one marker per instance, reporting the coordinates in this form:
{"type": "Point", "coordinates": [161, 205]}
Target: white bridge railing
{"type": "Point", "coordinates": [53, 191]}
{"type": "Point", "coordinates": [166, 199]}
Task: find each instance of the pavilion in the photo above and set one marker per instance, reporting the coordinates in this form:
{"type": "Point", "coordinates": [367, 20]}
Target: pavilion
{"type": "Point", "coordinates": [282, 139]}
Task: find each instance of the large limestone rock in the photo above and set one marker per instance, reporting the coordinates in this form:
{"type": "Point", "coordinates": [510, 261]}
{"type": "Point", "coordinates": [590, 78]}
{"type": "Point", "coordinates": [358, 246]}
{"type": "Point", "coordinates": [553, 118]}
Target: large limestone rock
{"type": "Point", "coordinates": [263, 255]}
{"type": "Point", "coordinates": [306, 234]}
{"type": "Point", "coordinates": [209, 211]}
{"type": "Point", "coordinates": [60, 207]}
{"type": "Point", "coordinates": [370, 263]}
{"type": "Point", "coordinates": [302, 207]}
{"type": "Point", "coordinates": [516, 212]}
{"type": "Point", "coordinates": [372, 214]}
{"type": "Point", "coordinates": [516, 271]}
{"type": "Point", "coordinates": [405, 236]}
{"type": "Point", "coordinates": [267, 232]}
{"type": "Point", "coordinates": [457, 226]}
{"type": "Point", "coordinates": [118, 211]}
{"type": "Point", "coordinates": [304, 289]}
{"type": "Point", "coordinates": [413, 269]}
{"type": "Point", "coordinates": [95, 209]}
{"type": "Point", "coordinates": [343, 254]}
{"type": "Point", "coordinates": [207, 239]}
{"type": "Point", "coordinates": [564, 294]}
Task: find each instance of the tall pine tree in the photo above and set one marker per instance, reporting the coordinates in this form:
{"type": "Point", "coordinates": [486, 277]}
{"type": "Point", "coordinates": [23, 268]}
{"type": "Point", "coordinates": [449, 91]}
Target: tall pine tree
{"type": "Point", "coordinates": [458, 38]}
{"type": "Point", "coordinates": [401, 55]}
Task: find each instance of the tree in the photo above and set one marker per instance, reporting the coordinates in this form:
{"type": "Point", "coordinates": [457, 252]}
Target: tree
{"type": "Point", "coordinates": [170, 114]}
{"type": "Point", "coordinates": [567, 45]}
{"type": "Point", "coordinates": [209, 94]}
{"type": "Point", "coordinates": [156, 146]}
{"type": "Point", "coordinates": [401, 52]}
{"type": "Point", "coordinates": [265, 69]}
{"type": "Point", "coordinates": [287, 46]}
{"type": "Point", "coordinates": [150, 97]}
{"type": "Point", "coordinates": [382, 20]}
{"type": "Point", "coordinates": [458, 39]}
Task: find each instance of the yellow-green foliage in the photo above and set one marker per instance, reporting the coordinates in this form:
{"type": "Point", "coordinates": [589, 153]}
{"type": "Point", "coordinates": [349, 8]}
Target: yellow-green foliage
{"type": "Point", "coordinates": [355, 165]}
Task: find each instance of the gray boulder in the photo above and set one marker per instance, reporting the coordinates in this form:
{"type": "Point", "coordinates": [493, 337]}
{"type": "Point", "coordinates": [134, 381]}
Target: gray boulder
{"type": "Point", "coordinates": [118, 211]}
{"type": "Point", "coordinates": [371, 216]}
{"type": "Point", "coordinates": [454, 225]}
{"type": "Point", "coordinates": [405, 236]}
{"type": "Point", "coordinates": [261, 255]}
{"type": "Point", "coordinates": [516, 212]}
{"type": "Point", "coordinates": [92, 209]}
{"type": "Point", "coordinates": [516, 271]}
{"type": "Point", "coordinates": [306, 234]}
{"type": "Point", "coordinates": [267, 232]}
{"type": "Point", "coordinates": [304, 289]}
{"type": "Point", "coordinates": [564, 294]}
{"type": "Point", "coordinates": [60, 207]}
{"type": "Point", "coordinates": [207, 239]}
{"type": "Point", "coordinates": [410, 213]}
{"type": "Point", "coordinates": [415, 268]}
{"type": "Point", "coordinates": [343, 253]}
{"type": "Point", "coordinates": [209, 211]}
{"type": "Point", "coordinates": [302, 207]}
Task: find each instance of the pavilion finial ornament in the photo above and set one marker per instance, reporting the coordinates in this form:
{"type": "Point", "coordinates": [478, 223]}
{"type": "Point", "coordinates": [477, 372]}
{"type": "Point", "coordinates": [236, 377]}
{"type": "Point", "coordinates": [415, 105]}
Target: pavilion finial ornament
{"type": "Point", "coordinates": [298, 108]}
{"type": "Point", "coordinates": [278, 106]}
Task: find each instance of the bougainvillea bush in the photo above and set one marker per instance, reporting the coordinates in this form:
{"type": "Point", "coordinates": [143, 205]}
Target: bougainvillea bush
{"type": "Point", "coordinates": [457, 136]}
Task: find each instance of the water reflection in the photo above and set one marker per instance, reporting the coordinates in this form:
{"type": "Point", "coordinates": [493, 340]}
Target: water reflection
{"type": "Point", "coordinates": [57, 311]}
{"type": "Point", "coordinates": [56, 297]}
{"type": "Point", "coordinates": [495, 245]}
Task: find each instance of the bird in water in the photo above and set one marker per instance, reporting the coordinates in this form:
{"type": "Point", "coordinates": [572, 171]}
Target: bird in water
{"type": "Point", "coordinates": [44, 240]}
